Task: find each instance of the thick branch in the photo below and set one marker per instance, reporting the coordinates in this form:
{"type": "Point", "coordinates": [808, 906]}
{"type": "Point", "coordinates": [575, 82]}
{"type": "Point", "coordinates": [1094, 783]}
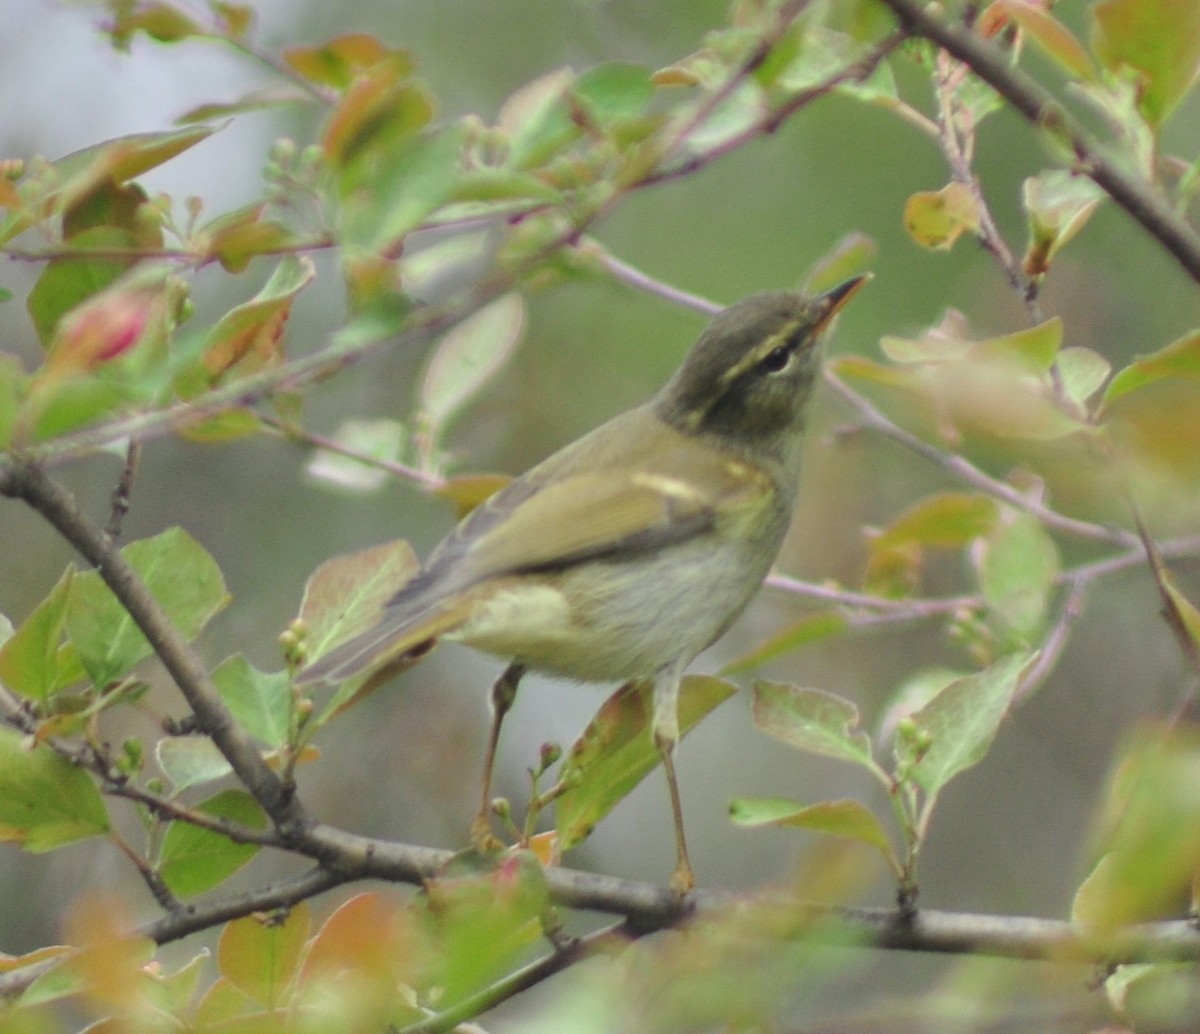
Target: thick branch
{"type": "Point", "coordinates": [648, 906]}
{"type": "Point", "coordinates": [1041, 108]}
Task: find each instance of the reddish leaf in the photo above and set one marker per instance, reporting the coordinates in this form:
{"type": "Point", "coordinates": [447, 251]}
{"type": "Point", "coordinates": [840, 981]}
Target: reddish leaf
{"type": "Point", "coordinates": [338, 61]}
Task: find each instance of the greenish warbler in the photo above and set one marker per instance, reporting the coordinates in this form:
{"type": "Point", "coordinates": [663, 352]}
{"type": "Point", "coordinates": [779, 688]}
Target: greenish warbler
{"type": "Point", "coordinates": [629, 551]}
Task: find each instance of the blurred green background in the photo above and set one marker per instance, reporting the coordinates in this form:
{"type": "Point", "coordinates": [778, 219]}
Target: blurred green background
{"type": "Point", "coordinates": [1009, 834]}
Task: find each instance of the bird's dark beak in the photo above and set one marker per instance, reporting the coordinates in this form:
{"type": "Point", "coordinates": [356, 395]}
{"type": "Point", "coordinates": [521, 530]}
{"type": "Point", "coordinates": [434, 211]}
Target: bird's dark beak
{"type": "Point", "coordinates": [830, 303]}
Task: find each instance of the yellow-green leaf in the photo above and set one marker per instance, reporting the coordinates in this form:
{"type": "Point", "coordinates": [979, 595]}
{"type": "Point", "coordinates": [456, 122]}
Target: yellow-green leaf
{"type": "Point", "coordinates": [36, 661]}
{"type": "Point", "coordinates": [1158, 39]}
{"type": "Point", "coordinates": [260, 955]}
{"type": "Point", "coordinates": [468, 356]}
{"type": "Point", "coordinates": [1181, 358]}
{"type": "Point", "coordinates": [937, 218]}
{"type": "Point", "coordinates": [45, 801]}
{"type": "Point", "coordinates": [845, 818]}
{"type": "Point", "coordinates": [344, 596]}
{"type": "Point", "coordinates": [956, 728]}
{"type": "Point", "coordinates": [617, 751]}
{"type": "Point", "coordinates": [811, 720]}
{"type": "Point", "coordinates": [193, 859]}
{"type": "Point", "coordinates": [809, 629]}
{"type": "Point", "coordinates": [181, 576]}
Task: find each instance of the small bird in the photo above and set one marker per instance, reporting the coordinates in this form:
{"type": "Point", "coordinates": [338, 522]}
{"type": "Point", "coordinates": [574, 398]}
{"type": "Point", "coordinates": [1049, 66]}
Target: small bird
{"type": "Point", "coordinates": [626, 553]}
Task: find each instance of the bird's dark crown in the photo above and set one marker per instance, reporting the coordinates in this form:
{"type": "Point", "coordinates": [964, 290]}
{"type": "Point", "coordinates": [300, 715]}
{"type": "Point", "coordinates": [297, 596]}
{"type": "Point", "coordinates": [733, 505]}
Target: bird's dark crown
{"type": "Point", "coordinates": [748, 376]}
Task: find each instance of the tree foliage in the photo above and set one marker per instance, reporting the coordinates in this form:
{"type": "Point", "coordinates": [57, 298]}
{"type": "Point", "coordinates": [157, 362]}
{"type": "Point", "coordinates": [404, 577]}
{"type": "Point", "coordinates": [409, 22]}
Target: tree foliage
{"type": "Point", "coordinates": [440, 230]}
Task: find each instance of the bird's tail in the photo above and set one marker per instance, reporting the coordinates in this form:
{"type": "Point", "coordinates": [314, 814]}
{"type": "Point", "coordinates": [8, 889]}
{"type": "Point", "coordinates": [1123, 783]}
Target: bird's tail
{"type": "Point", "coordinates": [397, 642]}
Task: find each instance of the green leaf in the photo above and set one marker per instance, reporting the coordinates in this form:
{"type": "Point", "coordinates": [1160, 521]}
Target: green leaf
{"type": "Point", "coordinates": [1181, 358]}
{"type": "Point", "coordinates": [66, 282]}
{"type": "Point", "coordinates": [617, 751]}
{"type": "Point", "coordinates": [260, 955]}
{"type": "Point", "coordinates": [483, 922]}
{"type": "Point", "coordinates": [410, 180]}
{"type": "Point", "coordinates": [45, 801]}
{"type": "Point", "coordinates": [193, 860]}
{"type": "Point", "coordinates": [76, 402]}
{"type": "Point", "coordinates": [1082, 373]}
{"type": "Point", "coordinates": [35, 661]}
{"type": "Point", "coordinates": [244, 234]}
{"type": "Point", "coordinates": [614, 90]}
{"type": "Point", "coordinates": [948, 520]}
{"type": "Point", "coordinates": [162, 22]}
{"type": "Point", "coordinates": [824, 53]}
{"type": "Point", "coordinates": [1158, 39]}
{"type": "Point", "coordinates": [469, 356]}
{"type": "Point", "coordinates": [181, 576]}
{"type": "Point", "coordinates": [344, 596]}
{"type": "Point", "coordinates": [998, 386]}
{"type": "Point", "coordinates": [261, 702]}
{"type": "Point", "coordinates": [190, 761]}
{"type": "Point", "coordinates": [1018, 564]}
{"type": "Point", "coordinates": [256, 100]}
{"type": "Point", "coordinates": [537, 120]}
{"type": "Point", "coordinates": [1147, 840]}
{"type": "Point", "coordinates": [111, 204]}
{"type": "Point", "coordinates": [957, 726]}
{"type": "Point", "coordinates": [837, 818]}
{"type": "Point", "coordinates": [914, 692]}
{"type": "Point", "coordinates": [1058, 205]}
{"type": "Point", "coordinates": [812, 720]}
{"type": "Point", "coordinates": [1033, 349]}
{"type": "Point", "coordinates": [809, 629]}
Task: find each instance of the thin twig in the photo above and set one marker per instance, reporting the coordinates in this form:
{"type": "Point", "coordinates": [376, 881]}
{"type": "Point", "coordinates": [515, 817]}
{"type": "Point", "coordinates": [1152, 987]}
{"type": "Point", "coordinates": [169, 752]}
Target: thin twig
{"type": "Point", "coordinates": [1043, 110]}
{"type": "Point", "coordinates": [424, 478]}
{"type": "Point", "coordinates": [634, 277]}
{"type": "Point", "coordinates": [866, 610]}
{"type": "Point", "coordinates": [773, 119]}
{"type": "Point", "coordinates": [956, 134]}
{"type": "Point", "coordinates": [113, 782]}
{"type": "Point", "coordinates": [964, 470]}
{"type": "Point", "coordinates": [123, 493]}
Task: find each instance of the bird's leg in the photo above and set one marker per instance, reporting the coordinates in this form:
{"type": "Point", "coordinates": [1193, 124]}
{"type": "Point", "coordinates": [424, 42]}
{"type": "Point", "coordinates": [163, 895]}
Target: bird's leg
{"type": "Point", "coordinates": [666, 736]}
{"type": "Point", "coordinates": [504, 692]}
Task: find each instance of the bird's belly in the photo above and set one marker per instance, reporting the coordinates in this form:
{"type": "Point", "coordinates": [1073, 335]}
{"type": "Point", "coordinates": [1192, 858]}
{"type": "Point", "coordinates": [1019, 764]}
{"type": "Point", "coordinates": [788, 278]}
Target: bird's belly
{"type": "Point", "coordinates": [603, 622]}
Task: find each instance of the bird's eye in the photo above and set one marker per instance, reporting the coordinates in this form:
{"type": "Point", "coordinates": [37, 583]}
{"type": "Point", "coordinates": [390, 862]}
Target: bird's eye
{"type": "Point", "coordinates": [775, 360]}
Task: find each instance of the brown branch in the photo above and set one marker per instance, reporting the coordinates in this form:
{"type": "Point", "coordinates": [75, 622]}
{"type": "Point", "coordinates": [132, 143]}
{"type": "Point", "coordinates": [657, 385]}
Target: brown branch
{"type": "Point", "coordinates": [122, 495]}
{"type": "Point", "coordinates": [1042, 109]}
{"type": "Point", "coordinates": [60, 509]}
{"type": "Point", "coordinates": [347, 858]}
